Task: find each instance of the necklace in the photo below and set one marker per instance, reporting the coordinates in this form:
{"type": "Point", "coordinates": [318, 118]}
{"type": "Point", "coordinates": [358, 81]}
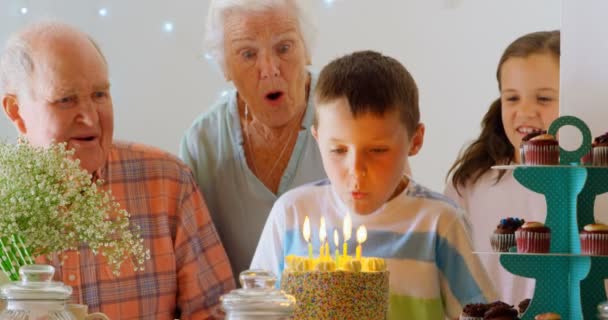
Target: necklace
{"type": "Point", "coordinates": [277, 161]}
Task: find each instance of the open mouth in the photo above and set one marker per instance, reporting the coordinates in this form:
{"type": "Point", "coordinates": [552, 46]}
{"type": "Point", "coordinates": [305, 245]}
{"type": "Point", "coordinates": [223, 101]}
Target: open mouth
{"type": "Point", "coordinates": [528, 130]}
{"type": "Point", "coordinates": [274, 96]}
{"type": "Point", "coordinates": [86, 138]}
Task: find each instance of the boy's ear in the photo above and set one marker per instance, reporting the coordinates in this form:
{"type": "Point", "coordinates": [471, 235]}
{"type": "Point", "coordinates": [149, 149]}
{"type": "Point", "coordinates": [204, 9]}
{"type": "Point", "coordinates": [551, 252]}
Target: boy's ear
{"type": "Point", "coordinates": [417, 140]}
{"type": "Point", "coordinates": [314, 132]}
{"type": "Point", "coordinates": [10, 104]}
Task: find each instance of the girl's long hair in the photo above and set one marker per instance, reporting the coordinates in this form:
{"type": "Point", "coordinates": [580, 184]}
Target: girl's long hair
{"type": "Point", "coordinates": [493, 147]}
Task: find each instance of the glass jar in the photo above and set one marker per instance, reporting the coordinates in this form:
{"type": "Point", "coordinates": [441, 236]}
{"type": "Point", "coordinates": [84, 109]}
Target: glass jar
{"type": "Point", "coordinates": [602, 311]}
{"type": "Point", "coordinates": [258, 299]}
{"type": "Point", "coordinates": [36, 296]}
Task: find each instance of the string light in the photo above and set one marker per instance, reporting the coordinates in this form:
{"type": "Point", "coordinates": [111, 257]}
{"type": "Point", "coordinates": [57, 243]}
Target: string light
{"type": "Point", "coordinates": [24, 10]}
{"type": "Point", "coordinates": [168, 27]}
{"type": "Point", "coordinates": [103, 12]}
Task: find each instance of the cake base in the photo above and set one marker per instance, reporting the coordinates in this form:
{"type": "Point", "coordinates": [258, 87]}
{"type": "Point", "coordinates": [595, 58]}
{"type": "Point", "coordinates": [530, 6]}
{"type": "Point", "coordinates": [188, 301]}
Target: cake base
{"type": "Point", "coordinates": [338, 294]}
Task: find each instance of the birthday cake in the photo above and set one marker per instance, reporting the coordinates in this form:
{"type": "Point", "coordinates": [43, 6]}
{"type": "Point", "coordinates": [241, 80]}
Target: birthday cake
{"type": "Point", "coordinates": [349, 289]}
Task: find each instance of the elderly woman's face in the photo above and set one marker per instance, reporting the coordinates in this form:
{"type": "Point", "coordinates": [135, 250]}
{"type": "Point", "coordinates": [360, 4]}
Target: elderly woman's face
{"type": "Point", "coordinates": [266, 59]}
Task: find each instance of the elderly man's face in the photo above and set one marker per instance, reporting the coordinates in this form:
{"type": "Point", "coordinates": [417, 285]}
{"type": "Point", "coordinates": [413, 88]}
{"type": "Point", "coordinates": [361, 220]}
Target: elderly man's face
{"type": "Point", "coordinates": [68, 100]}
{"type": "Point", "coordinates": [266, 59]}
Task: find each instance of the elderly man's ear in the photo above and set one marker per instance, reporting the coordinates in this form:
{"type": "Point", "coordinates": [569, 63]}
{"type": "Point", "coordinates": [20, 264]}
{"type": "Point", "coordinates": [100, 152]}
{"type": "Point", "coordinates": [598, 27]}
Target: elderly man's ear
{"type": "Point", "coordinates": [10, 104]}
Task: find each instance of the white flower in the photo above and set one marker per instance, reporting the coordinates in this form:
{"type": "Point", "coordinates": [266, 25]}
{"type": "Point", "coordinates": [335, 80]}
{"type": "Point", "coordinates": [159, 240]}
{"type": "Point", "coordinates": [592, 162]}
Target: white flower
{"type": "Point", "coordinates": [51, 203]}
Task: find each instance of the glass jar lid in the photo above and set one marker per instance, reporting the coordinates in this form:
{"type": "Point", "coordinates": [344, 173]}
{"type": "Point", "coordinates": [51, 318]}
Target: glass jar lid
{"type": "Point", "coordinates": [35, 284]}
{"type": "Point", "coordinates": [602, 309]}
{"type": "Point", "coordinates": [258, 296]}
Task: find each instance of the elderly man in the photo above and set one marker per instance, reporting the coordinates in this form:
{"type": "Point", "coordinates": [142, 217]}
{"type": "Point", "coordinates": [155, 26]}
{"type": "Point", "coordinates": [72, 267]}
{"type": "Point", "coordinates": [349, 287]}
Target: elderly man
{"type": "Point", "coordinates": [55, 87]}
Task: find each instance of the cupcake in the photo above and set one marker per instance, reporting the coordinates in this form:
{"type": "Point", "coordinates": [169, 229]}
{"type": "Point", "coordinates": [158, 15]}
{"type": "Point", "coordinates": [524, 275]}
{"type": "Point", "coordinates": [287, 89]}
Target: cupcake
{"type": "Point", "coordinates": [501, 312]}
{"type": "Point", "coordinates": [503, 237]}
{"type": "Point", "coordinates": [523, 306]}
{"type": "Point", "coordinates": [594, 239]}
{"type": "Point", "coordinates": [533, 237]}
{"type": "Point", "coordinates": [548, 316]}
{"type": "Point", "coordinates": [600, 150]}
{"type": "Point", "coordinates": [540, 148]}
{"type": "Point", "coordinates": [473, 311]}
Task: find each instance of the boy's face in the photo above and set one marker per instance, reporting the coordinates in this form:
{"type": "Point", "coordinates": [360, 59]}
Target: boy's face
{"type": "Point", "coordinates": [364, 157]}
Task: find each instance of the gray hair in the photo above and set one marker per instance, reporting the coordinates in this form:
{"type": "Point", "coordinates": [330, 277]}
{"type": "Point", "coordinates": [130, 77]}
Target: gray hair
{"type": "Point", "coordinates": [16, 61]}
{"type": "Point", "coordinates": [214, 30]}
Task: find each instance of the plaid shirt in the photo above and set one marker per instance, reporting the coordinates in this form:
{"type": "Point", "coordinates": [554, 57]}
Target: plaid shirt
{"type": "Point", "coordinates": [188, 269]}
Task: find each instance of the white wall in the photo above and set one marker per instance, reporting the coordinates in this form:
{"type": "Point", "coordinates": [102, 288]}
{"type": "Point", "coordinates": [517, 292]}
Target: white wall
{"type": "Point", "coordinates": [585, 64]}
{"type": "Point", "coordinates": [161, 82]}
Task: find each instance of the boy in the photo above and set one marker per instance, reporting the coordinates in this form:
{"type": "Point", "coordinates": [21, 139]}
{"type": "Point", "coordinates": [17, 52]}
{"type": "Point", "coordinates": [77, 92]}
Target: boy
{"type": "Point", "coordinates": [366, 125]}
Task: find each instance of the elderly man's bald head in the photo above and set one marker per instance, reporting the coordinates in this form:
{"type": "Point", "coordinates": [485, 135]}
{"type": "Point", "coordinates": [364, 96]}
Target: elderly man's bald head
{"type": "Point", "coordinates": [23, 49]}
{"type": "Point", "coordinates": [56, 89]}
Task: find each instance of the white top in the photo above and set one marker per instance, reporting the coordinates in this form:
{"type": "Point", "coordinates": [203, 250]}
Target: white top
{"type": "Point", "coordinates": [485, 203]}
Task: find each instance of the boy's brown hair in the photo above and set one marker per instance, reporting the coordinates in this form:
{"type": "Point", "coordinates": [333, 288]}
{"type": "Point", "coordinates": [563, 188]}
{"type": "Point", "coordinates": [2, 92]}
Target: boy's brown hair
{"type": "Point", "coordinates": [371, 83]}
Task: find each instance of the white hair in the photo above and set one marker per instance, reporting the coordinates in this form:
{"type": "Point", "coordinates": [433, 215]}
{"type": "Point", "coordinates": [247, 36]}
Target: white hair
{"type": "Point", "coordinates": [214, 30]}
{"type": "Point", "coordinates": [16, 64]}
{"type": "Point", "coordinates": [17, 61]}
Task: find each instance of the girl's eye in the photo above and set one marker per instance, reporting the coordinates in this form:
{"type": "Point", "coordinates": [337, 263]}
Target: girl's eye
{"type": "Point", "coordinates": [338, 150]}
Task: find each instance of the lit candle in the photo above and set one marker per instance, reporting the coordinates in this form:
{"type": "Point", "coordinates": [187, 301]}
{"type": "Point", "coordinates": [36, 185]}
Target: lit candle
{"type": "Point", "coordinates": [306, 234]}
{"type": "Point", "coordinates": [361, 237]}
{"type": "Point", "coordinates": [322, 237]}
{"type": "Point", "coordinates": [347, 230]}
{"type": "Point", "coordinates": [337, 243]}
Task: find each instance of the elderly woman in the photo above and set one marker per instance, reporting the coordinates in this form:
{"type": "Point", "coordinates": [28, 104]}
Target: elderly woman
{"type": "Point", "coordinates": [255, 144]}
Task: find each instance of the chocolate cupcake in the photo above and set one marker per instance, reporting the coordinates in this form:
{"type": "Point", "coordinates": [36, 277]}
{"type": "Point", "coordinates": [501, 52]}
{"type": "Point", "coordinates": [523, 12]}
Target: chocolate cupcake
{"type": "Point", "coordinates": [540, 148]}
{"type": "Point", "coordinates": [503, 237]}
{"type": "Point", "coordinates": [548, 316]}
{"type": "Point", "coordinates": [473, 311]}
{"type": "Point", "coordinates": [523, 306]}
{"type": "Point", "coordinates": [533, 237]}
{"type": "Point", "coordinates": [501, 312]}
{"type": "Point", "coordinates": [594, 239]}
{"type": "Point", "coordinates": [600, 150]}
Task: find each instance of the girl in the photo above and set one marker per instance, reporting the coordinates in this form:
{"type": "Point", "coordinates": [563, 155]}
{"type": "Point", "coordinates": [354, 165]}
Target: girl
{"type": "Point", "coordinates": [528, 80]}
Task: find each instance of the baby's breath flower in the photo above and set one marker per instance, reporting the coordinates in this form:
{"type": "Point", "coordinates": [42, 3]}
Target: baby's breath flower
{"type": "Point", "coordinates": [53, 205]}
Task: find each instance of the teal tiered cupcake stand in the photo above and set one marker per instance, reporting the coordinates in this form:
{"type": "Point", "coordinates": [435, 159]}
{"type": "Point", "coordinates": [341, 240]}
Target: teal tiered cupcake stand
{"type": "Point", "coordinates": [567, 282]}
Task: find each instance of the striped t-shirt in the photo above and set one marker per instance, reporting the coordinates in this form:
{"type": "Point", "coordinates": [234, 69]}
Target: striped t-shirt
{"type": "Point", "coordinates": [422, 236]}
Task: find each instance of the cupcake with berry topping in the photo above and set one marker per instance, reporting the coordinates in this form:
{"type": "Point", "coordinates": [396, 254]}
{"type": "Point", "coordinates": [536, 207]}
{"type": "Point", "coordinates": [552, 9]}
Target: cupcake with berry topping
{"type": "Point", "coordinates": [600, 150]}
{"type": "Point", "coordinates": [503, 237]}
{"type": "Point", "coordinates": [533, 237]}
{"type": "Point", "coordinates": [523, 306]}
{"type": "Point", "coordinates": [594, 239]}
{"type": "Point", "coordinates": [501, 312]}
{"type": "Point", "coordinates": [540, 148]}
{"type": "Point", "coordinates": [473, 311]}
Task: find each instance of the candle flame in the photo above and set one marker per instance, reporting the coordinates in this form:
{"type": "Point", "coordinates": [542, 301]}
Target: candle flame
{"type": "Point", "coordinates": [322, 231]}
{"type": "Point", "coordinates": [348, 227]}
{"type": "Point", "coordinates": [336, 238]}
{"type": "Point", "coordinates": [361, 234]}
{"type": "Point", "coordinates": [306, 229]}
